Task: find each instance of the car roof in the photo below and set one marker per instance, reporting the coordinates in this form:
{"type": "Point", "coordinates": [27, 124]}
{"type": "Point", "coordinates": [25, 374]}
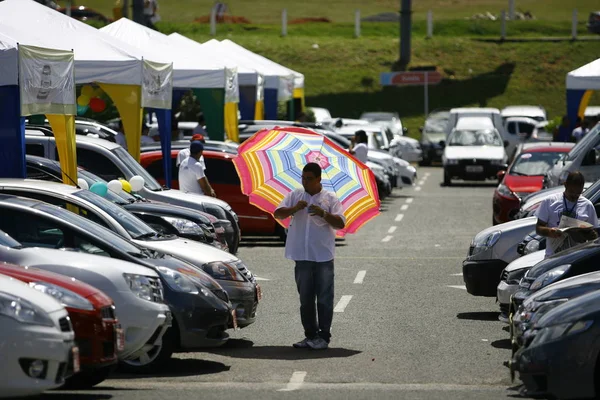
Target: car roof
{"type": "Point", "coordinates": [38, 184]}
{"type": "Point", "coordinates": [592, 111]}
{"type": "Point", "coordinates": [523, 110]}
{"type": "Point", "coordinates": [547, 147]}
{"type": "Point", "coordinates": [85, 139]}
{"type": "Point", "coordinates": [524, 119]}
{"type": "Point", "coordinates": [474, 110]}
{"type": "Point", "coordinates": [474, 123]}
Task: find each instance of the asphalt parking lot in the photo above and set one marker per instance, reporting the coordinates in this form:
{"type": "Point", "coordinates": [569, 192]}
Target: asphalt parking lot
{"type": "Point", "coordinates": [404, 325]}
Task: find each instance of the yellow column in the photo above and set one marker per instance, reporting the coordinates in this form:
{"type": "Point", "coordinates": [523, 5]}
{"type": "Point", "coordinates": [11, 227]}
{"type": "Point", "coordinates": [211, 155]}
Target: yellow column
{"type": "Point", "coordinates": [63, 127]}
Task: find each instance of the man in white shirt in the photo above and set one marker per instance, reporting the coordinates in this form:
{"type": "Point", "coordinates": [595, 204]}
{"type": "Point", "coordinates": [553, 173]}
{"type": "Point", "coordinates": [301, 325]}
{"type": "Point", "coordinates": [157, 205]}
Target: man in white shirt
{"type": "Point", "coordinates": [580, 131]}
{"type": "Point", "coordinates": [185, 153]}
{"type": "Point", "coordinates": [569, 204]}
{"type": "Point", "coordinates": [316, 215]}
{"type": "Point", "coordinates": [358, 146]}
{"type": "Point", "coordinates": [191, 173]}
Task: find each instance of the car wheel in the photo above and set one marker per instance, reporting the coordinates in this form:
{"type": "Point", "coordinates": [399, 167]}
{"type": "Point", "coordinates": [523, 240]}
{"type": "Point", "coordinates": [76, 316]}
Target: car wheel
{"type": "Point", "coordinates": [154, 357]}
{"type": "Point", "coordinates": [447, 178]}
{"type": "Point", "coordinates": [88, 378]}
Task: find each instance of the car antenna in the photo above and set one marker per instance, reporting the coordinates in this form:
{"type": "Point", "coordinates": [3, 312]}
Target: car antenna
{"type": "Point", "coordinates": [67, 175]}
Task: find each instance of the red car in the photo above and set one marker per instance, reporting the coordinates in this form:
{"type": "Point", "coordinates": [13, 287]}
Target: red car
{"type": "Point", "coordinates": [97, 330]}
{"type": "Point", "coordinates": [524, 176]}
{"type": "Point", "coordinates": [225, 181]}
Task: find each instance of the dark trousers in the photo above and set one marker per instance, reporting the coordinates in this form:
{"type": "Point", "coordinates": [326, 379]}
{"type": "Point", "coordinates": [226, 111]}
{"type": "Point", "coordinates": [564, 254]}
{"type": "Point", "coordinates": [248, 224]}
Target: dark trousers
{"type": "Point", "coordinates": [315, 283]}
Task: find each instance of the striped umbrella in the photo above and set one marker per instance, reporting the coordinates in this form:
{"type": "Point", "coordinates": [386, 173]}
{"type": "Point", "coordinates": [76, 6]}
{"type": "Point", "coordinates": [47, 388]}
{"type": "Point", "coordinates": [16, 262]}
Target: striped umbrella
{"type": "Point", "coordinates": [270, 166]}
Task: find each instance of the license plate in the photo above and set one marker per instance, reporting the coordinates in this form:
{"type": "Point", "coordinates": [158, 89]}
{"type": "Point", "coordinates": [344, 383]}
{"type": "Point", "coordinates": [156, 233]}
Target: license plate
{"type": "Point", "coordinates": [120, 338]}
{"type": "Point", "coordinates": [259, 293]}
{"type": "Point", "coordinates": [234, 316]}
{"type": "Point", "coordinates": [76, 364]}
{"type": "Point", "coordinates": [474, 168]}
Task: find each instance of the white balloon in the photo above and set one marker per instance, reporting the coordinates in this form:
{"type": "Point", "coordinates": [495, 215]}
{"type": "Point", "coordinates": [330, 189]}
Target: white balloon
{"type": "Point", "coordinates": [82, 184]}
{"type": "Point", "coordinates": [115, 186]}
{"type": "Point", "coordinates": [137, 183]}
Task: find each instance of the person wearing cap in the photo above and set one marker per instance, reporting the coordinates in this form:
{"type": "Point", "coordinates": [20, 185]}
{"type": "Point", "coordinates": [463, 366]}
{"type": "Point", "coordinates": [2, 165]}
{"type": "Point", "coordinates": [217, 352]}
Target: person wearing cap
{"type": "Point", "coordinates": [191, 172]}
{"type": "Point", "coordinates": [145, 139]}
{"type": "Point", "coordinates": [185, 153]}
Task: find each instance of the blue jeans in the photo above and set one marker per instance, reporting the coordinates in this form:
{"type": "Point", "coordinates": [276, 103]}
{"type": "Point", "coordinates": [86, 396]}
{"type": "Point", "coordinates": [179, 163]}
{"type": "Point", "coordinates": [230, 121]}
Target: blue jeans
{"type": "Point", "coordinates": [314, 281]}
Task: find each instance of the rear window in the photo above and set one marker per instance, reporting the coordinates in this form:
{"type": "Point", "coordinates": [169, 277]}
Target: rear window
{"type": "Point", "coordinates": [220, 171]}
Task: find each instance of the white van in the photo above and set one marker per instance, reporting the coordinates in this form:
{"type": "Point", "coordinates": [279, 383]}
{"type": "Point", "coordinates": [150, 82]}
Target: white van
{"type": "Point", "coordinates": [583, 157]}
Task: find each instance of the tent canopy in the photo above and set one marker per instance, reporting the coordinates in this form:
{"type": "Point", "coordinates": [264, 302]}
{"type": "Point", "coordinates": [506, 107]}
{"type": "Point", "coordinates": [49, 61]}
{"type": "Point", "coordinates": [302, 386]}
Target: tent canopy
{"type": "Point", "coordinates": [586, 77]}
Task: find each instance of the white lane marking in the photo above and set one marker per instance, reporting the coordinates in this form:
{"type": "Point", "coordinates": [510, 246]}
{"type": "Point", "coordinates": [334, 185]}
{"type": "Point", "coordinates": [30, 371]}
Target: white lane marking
{"type": "Point", "coordinates": [343, 303]}
{"type": "Point", "coordinates": [404, 207]}
{"type": "Point", "coordinates": [387, 238]}
{"type": "Point", "coordinates": [258, 278]}
{"type": "Point", "coordinates": [360, 277]}
{"type": "Point", "coordinates": [399, 217]}
{"type": "Point", "coordinates": [295, 382]}
{"type": "Point", "coordinates": [409, 200]}
{"type": "Point", "coordinates": [392, 229]}
{"type": "Point", "coordinates": [463, 287]}
{"type": "Point", "coordinates": [459, 274]}
{"type": "Point", "coordinates": [421, 182]}
{"type": "Point", "coordinates": [427, 174]}
{"type": "Point", "coordinates": [418, 189]}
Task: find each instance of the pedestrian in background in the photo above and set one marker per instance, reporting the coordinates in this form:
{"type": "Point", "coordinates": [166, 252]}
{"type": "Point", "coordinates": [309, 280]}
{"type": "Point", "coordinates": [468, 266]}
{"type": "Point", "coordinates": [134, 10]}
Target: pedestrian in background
{"type": "Point", "coordinates": [191, 173]}
{"type": "Point", "coordinates": [316, 215]}
{"type": "Point", "coordinates": [359, 146]}
{"type": "Point", "coordinates": [580, 131]}
{"type": "Point", "coordinates": [185, 153]}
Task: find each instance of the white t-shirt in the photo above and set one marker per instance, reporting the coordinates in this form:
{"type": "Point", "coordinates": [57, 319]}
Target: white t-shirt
{"type": "Point", "coordinates": [360, 152]}
{"type": "Point", "coordinates": [190, 171]}
{"type": "Point", "coordinates": [551, 209]}
{"type": "Point", "coordinates": [310, 237]}
{"type": "Point", "coordinates": [185, 153]}
{"type": "Point", "coordinates": [578, 133]}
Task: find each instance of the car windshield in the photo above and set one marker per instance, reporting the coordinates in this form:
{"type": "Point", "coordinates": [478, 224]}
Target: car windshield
{"type": "Point", "coordinates": [8, 241]}
{"type": "Point", "coordinates": [375, 140]}
{"type": "Point", "coordinates": [474, 138]}
{"type": "Point", "coordinates": [136, 169]}
{"type": "Point", "coordinates": [91, 228]}
{"type": "Point", "coordinates": [132, 224]}
{"type": "Point", "coordinates": [535, 163]}
{"type": "Point", "coordinates": [583, 144]}
{"type": "Point", "coordinates": [436, 125]}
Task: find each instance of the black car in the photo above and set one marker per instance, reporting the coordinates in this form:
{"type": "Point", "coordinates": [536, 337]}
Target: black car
{"type": "Point", "coordinates": [432, 133]}
{"type": "Point", "coordinates": [531, 243]}
{"type": "Point", "coordinates": [593, 24]}
{"type": "Point", "coordinates": [200, 307]}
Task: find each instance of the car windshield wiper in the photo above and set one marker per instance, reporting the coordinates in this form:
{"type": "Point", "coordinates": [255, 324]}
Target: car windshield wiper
{"type": "Point", "coordinates": [146, 235]}
{"type": "Point", "coordinates": [518, 173]}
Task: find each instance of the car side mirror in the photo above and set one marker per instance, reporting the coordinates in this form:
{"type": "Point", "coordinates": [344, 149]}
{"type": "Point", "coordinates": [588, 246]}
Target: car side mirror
{"type": "Point", "coordinates": [500, 175]}
{"type": "Point", "coordinates": [442, 143]}
{"type": "Point", "coordinates": [506, 143]}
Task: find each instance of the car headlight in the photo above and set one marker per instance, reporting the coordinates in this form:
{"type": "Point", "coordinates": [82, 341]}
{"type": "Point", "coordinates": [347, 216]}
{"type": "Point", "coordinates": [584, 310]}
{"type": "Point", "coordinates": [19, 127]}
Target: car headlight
{"type": "Point", "coordinates": [65, 296]}
{"type": "Point", "coordinates": [503, 190]}
{"type": "Point", "coordinates": [224, 271]}
{"type": "Point", "coordinates": [532, 247]}
{"type": "Point", "coordinates": [176, 281]}
{"type": "Point", "coordinates": [215, 211]}
{"type": "Point", "coordinates": [554, 332]}
{"type": "Point", "coordinates": [514, 277]}
{"type": "Point", "coordinates": [487, 242]}
{"type": "Point", "coordinates": [549, 277]}
{"type": "Point", "coordinates": [140, 285]}
{"type": "Point", "coordinates": [451, 161]}
{"type": "Point", "coordinates": [185, 226]}
{"type": "Point", "coordinates": [23, 310]}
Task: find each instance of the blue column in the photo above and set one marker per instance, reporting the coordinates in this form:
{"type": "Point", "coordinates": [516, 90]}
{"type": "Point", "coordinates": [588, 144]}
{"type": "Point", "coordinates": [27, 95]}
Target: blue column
{"type": "Point", "coordinates": [271, 104]}
{"type": "Point", "coordinates": [164, 129]}
{"type": "Point", "coordinates": [12, 134]}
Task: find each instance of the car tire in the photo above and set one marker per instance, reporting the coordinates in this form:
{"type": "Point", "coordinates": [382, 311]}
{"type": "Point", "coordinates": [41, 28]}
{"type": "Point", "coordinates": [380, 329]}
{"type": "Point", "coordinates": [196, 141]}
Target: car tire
{"type": "Point", "coordinates": [447, 178]}
{"type": "Point", "coordinates": [88, 378]}
{"type": "Point", "coordinates": [155, 359]}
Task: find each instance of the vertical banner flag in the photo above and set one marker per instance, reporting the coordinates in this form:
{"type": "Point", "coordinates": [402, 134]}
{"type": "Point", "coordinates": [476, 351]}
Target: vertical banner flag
{"type": "Point", "coordinates": [286, 88]}
{"type": "Point", "coordinates": [157, 87]}
{"type": "Point", "coordinates": [232, 89]}
{"type": "Point", "coordinates": [46, 81]}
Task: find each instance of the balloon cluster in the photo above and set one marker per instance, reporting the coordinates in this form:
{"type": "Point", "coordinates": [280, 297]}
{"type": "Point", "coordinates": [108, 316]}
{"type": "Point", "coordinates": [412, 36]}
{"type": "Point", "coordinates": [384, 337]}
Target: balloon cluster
{"type": "Point", "coordinates": [135, 184]}
{"type": "Point", "coordinates": [90, 99]}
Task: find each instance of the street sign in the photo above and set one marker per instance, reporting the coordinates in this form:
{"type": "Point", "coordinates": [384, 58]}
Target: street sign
{"type": "Point", "coordinates": [410, 78]}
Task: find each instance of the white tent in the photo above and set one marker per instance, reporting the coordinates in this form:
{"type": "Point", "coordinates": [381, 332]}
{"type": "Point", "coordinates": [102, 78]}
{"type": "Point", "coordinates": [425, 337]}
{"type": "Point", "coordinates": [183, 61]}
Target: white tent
{"type": "Point", "coordinates": [586, 77]}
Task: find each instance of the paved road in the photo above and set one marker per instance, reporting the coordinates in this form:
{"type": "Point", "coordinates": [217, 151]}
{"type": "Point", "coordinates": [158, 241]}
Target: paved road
{"type": "Point", "coordinates": [405, 327]}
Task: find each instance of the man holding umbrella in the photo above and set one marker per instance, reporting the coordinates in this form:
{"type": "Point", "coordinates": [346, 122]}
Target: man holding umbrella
{"type": "Point", "coordinates": [316, 215]}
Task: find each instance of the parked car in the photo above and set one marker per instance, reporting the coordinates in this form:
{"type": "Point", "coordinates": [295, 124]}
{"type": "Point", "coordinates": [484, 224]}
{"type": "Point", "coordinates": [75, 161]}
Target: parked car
{"type": "Point", "coordinates": [531, 243]}
{"type": "Point", "coordinates": [38, 350]}
{"type": "Point", "coordinates": [164, 218]}
{"type": "Point", "coordinates": [593, 24]}
{"type": "Point", "coordinates": [525, 130]}
{"type": "Point", "coordinates": [320, 114]}
{"type": "Point", "coordinates": [474, 151]}
{"type": "Point", "coordinates": [433, 133]}
{"type": "Point", "coordinates": [537, 113]}
{"type": "Point", "coordinates": [98, 335]}
{"type": "Point", "coordinates": [583, 157]}
{"type": "Point", "coordinates": [206, 261]}
{"type": "Point", "coordinates": [531, 202]}
{"type": "Point", "coordinates": [390, 118]}
{"type": "Point", "coordinates": [524, 176]}
{"type": "Point", "coordinates": [199, 307]}
{"type": "Point", "coordinates": [560, 358]}
{"type": "Point", "coordinates": [110, 161]}
{"type": "Point", "coordinates": [492, 114]}
{"type": "Point", "coordinates": [85, 14]}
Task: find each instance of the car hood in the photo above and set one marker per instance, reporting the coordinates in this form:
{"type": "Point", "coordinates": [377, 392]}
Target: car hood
{"type": "Point", "coordinates": [474, 152]}
{"type": "Point", "coordinates": [527, 261]}
{"type": "Point", "coordinates": [186, 268]}
{"type": "Point", "coordinates": [568, 288]}
{"type": "Point", "coordinates": [523, 223]}
{"type": "Point", "coordinates": [193, 197]}
{"type": "Point", "coordinates": [378, 155]}
{"type": "Point", "coordinates": [570, 256]}
{"type": "Point", "coordinates": [169, 210]}
{"type": "Point", "coordinates": [581, 308]}
{"type": "Point", "coordinates": [524, 184]}
{"type": "Point", "coordinates": [535, 198]}
{"type": "Point", "coordinates": [194, 252]}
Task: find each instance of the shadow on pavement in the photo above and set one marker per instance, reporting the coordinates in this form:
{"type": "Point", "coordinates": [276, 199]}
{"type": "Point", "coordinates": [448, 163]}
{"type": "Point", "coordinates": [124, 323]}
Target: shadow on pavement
{"type": "Point", "coordinates": [241, 348]}
{"type": "Point", "coordinates": [479, 316]}
{"type": "Point", "coordinates": [266, 241]}
{"type": "Point", "coordinates": [502, 344]}
{"type": "Point", "coordinates": [181, 367]}
{"type": "Point", "coordinates": [72, 396]}
{"type": "Point", "coordinates": [471, 184]}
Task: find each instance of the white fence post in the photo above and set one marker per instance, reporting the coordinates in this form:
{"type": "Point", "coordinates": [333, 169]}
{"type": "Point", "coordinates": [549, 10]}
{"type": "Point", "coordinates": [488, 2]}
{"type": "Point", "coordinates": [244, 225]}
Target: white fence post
{"type": "Point", "coordinates": [429, 24]}
{"type": "Point", "coordinates": [213, 21]}
{"type": "Point", "coordinates": [574, 25]}
{"type": "Point", "coordinates": [357, 23]}
{"type": "Point", "coordinates": [503, 26]}
{"type": "Point", "coordinates": [284, 22]}
{"type": "Point", "coordinates": [511, 10]}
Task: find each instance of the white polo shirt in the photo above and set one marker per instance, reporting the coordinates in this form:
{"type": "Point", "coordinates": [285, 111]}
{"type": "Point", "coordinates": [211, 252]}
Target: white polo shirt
{"type": "Point", "coordinates": [190, 171]}
{"type": "Point", "coordinates": [310, 237]}
{"type": "Point", "coordinates": [360, 151]}
{"type": "Point", "coordinates": [185, 153]}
